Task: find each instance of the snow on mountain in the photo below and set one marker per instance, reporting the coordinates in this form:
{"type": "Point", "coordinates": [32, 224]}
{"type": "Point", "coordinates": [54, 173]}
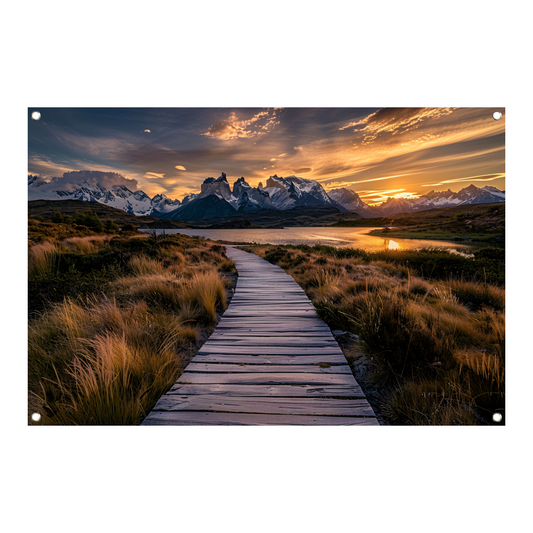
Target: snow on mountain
{"type": "Point", "coordinates": [293, 191]}
{"type": "Point", "coordinates": [163, 204]}
{"type": "Point", "coordinates": [433, 199]}
{"type": "Point", "coordinates": [219, 187]}
{"type": "Point", "coordinates": [348, 198]}
{"type": "Point", "coordinates": [188, 198]}
{"type": "Point", "coordinates": [119, 196]}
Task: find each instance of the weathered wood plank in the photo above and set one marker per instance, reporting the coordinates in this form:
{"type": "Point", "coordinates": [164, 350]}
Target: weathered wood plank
{"type": "Point", "coordinates": [273, 341]}
{"type": "Point", "coordinates": [266, 368]}
{"type": "Point", "coordinates": [201, 418]}
{"type": "Point", "coordinates": [265, 378]}
{"type": "Point", "coordinates": [285, 391]}
{"type": "Point", "coordinates": [260, 332]}
{"type": "Point", "coordinates": [209, 348]}
{"type": "Point", "coordinates": [266, 405]}
{"type": "Point", "coordinates": [270, 359]}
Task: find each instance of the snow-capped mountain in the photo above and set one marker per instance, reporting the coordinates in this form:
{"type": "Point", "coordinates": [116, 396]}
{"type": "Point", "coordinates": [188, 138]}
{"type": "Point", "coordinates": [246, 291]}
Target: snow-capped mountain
{"type": "Point", "coordinates": [348, 198]}
{"type": "Point", "coordinates": [119, 196]}
{"type": "Point", "coordinates": [293, 191]}
{"type": "Point", "coordinates": [433, 199]}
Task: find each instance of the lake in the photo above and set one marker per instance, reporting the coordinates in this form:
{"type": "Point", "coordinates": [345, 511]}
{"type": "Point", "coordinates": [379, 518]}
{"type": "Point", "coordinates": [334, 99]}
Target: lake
{"type": "Point", "coordinates": [338, 237]}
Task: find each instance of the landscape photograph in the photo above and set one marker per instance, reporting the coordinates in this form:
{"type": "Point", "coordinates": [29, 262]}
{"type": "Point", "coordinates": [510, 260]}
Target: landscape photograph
{"type": "Point", "coordinates": [266, 266]}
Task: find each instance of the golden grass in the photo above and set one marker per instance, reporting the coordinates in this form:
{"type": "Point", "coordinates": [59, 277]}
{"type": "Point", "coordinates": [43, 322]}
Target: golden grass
{"type": "Point", "coordinates": [106, 360]}
{"type": "Point", "coordinates": [206, 290]}
{"type": "Point", "coordinates": [188, 333]}
{"type": "Point", "coordinates": [88, 244]}
{"type": "Point", "coordinates": [42, 259]}
{"type": "Point", "coordinates": [99, 363]}
{"type": "Point", "coordinates": [141, 265]}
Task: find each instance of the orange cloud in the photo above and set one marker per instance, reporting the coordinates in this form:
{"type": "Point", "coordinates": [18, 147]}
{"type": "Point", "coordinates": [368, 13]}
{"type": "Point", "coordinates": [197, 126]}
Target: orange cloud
{"type": "Point", "coordinates": [233, 128]}
{"type": "Point", "coordinates": [153, 175]}
{"type": "Point", "coordinates": [179, 167]}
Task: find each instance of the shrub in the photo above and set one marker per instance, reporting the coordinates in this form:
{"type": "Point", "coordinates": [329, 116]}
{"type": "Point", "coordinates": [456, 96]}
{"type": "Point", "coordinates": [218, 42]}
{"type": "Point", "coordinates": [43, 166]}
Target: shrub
{"type": "Point", "coordinates": [127, 228]}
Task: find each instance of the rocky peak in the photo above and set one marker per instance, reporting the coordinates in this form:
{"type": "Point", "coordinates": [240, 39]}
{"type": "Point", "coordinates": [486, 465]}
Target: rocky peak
{"type": "Point", "coordinates": [274, 181]}
{"type": "Point", "coordinates": [240, 186]}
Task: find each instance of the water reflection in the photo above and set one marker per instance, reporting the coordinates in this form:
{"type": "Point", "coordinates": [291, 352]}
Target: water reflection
{"type": "Point", "coordinates": [338, 237]}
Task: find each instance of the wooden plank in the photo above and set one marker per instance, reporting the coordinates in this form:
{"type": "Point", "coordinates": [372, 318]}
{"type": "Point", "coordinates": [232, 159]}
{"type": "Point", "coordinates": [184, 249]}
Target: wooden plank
{"type": "Point", "coordinates": [266, 405]}
{"type": "Point", "coordinates": [285, 391]}
{"type": "Point", "coordinates": [201, 418]}
{"type": "Point", "coordinates": [261, 337]}
{"type": "Point", "coordinates": [266, 368]}
{"type": "Point", "coordinates": [259, 311]}
{"type": "Point", "coordinates": [270, 359]}
{"type": "Point", "coordinates": [272, 341]}
{"type": "Point", "coordinates": [269, 307]}
{"type": "Point", "coordinates": [265, 378]}
{"type": "Point", "coordinates": [268, 350]}
{"type": "Point", "coordinates": [265, 330]}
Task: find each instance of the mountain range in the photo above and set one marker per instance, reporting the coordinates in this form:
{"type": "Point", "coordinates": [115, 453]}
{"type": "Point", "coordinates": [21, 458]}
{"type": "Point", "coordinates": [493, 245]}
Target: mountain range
{"type": "Point", "coordinates": [217, 199]}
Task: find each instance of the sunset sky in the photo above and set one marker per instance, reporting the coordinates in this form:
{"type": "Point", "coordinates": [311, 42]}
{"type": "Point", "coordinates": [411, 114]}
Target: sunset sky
{"type": "Point", "coordinates": [376, 152]}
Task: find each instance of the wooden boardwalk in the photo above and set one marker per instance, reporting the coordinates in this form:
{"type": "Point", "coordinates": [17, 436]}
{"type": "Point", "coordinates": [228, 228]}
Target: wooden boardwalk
{"type": "Point", "coordinates": [270, 361]}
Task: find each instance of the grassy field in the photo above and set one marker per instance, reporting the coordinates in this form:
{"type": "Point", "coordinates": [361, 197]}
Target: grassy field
{"type": "Point", "coordinates": [432, 323]}
{"type": "Point", "coordinates": [115, 316]}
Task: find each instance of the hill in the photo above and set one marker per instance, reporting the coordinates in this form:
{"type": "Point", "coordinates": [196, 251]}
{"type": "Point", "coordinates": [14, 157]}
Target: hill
{"type": "Point", "coordinates": [46, 208]}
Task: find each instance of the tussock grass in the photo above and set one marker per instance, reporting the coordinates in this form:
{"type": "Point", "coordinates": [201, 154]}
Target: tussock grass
{"type": "Point", "coordinates": [42, 259]}
{"type": "Point", "coordinates": [89, 244]}
{"type": "Point", "coordinates": [418, 330]}
{"type": "Point", "coordinates": [188, 333]}
{"type": "Point", "coordinates": [206, 290]}
{"type": "Point", "coordinates": [135, 310]}
{"type": "Point", "coordinates": [428, 402]}
{"type": "Point", "coordinates": [98, 363]}
{"type": "Point", "coordinates": [141, 265]}
{"type": "Point", "coordinates": [228, 265]}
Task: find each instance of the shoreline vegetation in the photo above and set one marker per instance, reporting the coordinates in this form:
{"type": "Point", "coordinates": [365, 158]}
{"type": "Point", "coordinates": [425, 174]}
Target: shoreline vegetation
{"type": "Point", "coordinates": [115, 316]}
{"type": "Point", "coordinates": [431, 326]}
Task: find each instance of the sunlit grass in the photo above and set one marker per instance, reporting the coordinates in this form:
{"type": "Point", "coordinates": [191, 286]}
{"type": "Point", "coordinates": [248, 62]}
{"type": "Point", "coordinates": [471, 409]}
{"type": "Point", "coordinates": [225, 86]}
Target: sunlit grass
{"type": "Point", "coordinates": [106, 356]}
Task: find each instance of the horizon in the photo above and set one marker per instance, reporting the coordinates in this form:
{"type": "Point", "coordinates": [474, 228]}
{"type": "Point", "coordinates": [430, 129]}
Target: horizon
{"type": "Point", "coordinates": [378, 153]}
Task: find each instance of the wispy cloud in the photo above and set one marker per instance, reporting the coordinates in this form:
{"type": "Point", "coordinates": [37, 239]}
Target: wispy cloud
{"type": "Point", "coordinates": [153, 175]}
{"type": "Point", "coordinates": [233, 128]}
{"type": "Point", "coordinates": [482, 177]}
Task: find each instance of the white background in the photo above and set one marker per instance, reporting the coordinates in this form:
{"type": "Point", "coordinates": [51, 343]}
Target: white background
{"type": "Point", "coordinates": [148, 54]}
